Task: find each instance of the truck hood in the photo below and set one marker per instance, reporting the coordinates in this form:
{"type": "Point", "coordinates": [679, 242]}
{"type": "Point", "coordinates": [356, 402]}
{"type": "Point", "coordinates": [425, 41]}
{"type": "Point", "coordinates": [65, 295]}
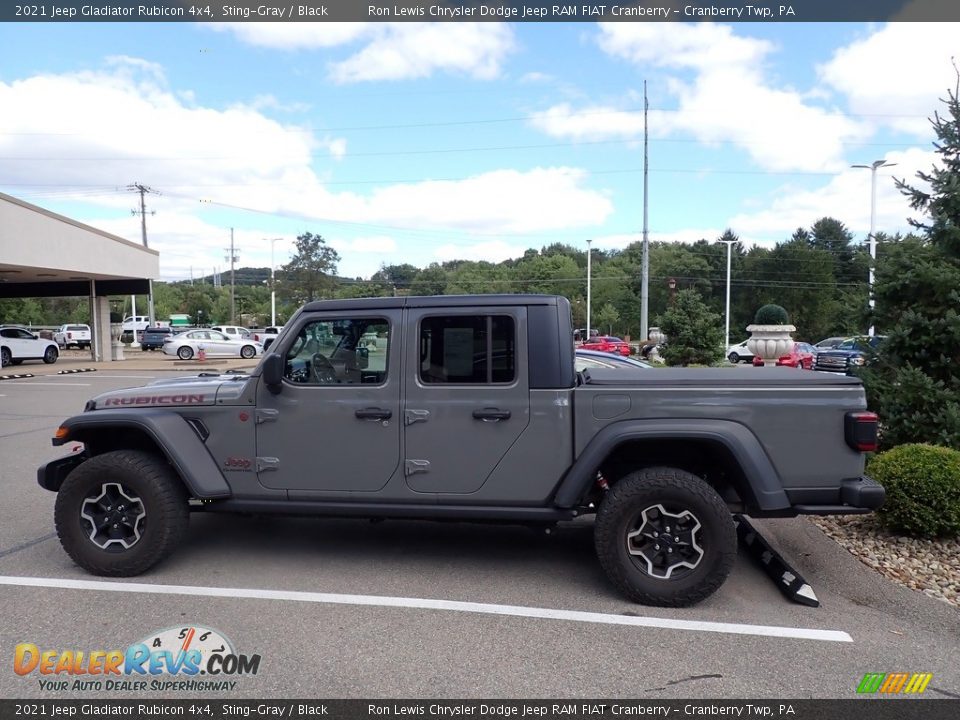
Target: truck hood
{"type": "Point", "coordinates": [174, 392]}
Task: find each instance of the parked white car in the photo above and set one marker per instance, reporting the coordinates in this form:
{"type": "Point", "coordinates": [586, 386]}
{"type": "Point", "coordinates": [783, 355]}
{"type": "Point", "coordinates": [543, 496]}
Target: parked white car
{"type": "Point", "coordinates": [739, 353]}
{"type": "Point", "coordinates": [234, 331]}
{"type": "Point", "coordinates": [18, 344]}
{"type": "Point", "coordinates": [187, 345]}
{"type": "Point", "coordinates": [73, 334]}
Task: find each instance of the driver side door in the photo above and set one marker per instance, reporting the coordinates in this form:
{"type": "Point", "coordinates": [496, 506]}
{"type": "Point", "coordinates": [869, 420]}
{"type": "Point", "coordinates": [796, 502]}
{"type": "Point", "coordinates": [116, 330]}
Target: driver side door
{"type": "Point", "coordinates": [334, 428]}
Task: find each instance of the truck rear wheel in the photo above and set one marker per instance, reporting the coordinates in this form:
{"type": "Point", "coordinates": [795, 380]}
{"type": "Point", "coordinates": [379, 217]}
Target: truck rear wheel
{"type": "Point", "coordinates": [120, 513]}
{"type": "Point", "coordinates": [664, 537]}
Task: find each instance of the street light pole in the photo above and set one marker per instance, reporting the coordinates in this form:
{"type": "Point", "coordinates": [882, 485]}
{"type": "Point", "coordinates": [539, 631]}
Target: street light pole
{"type": "Point", "coordinates": [589, 255]}
{"type": "Point", "coordinates": [873, 167]}
{"type": "Point", "coordinates": [726, 334]}
{"type": "Point", "coordinates": [273, 284]}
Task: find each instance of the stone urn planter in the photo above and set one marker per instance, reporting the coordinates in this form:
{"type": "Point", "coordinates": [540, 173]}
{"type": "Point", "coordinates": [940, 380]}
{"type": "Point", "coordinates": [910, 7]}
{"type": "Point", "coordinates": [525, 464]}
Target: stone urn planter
{"type": "Point", "coordinates": [770, 334]}
{"type": "Point", "coordinates": [116, 347]}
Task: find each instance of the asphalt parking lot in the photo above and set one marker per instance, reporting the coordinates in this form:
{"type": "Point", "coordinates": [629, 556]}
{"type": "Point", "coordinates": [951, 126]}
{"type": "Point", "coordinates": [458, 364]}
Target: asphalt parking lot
{"type": "Point", "coordinates": [349, 608]}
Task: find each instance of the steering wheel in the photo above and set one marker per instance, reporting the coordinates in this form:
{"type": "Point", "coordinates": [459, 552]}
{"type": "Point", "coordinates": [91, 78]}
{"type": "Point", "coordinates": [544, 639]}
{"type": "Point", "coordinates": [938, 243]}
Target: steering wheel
{"type": "Point", "coordinates": [322, 370]}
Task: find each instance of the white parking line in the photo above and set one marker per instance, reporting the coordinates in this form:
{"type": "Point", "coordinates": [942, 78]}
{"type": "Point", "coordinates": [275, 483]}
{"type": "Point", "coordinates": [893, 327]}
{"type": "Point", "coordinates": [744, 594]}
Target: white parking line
{"type": "Point", "coordinates": [429, 604]}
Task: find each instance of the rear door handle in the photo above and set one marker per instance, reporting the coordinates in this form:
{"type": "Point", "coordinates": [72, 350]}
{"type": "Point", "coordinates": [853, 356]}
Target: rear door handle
{"type": "Point", "coordinates": [491, 414]}
{"type": "Point", "coordinates": [373, 414]}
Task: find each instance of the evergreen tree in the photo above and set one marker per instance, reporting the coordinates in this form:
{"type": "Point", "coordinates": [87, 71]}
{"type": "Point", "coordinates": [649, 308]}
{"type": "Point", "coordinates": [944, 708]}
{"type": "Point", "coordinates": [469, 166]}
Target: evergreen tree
{"type": "Point", "coordinates": [915, 384]}
{"type": "Point", "coordinates": [694, 334]}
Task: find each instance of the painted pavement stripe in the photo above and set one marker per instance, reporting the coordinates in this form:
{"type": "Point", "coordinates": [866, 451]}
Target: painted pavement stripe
{"type": "Point", "coordinates": [431, 604]}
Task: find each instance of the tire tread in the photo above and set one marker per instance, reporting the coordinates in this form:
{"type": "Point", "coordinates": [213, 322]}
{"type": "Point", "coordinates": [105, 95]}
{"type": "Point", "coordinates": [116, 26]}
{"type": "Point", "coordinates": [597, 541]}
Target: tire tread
{"type": "Point", "coordinates": [170, 510]}
{"type": "Point", "coordinates": [623, 494]}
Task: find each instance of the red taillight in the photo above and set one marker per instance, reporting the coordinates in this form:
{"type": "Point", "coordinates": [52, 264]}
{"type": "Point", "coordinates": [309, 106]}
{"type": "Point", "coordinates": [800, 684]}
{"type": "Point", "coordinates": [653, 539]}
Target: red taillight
{"type": "Point", "coordinates": [860, 431]}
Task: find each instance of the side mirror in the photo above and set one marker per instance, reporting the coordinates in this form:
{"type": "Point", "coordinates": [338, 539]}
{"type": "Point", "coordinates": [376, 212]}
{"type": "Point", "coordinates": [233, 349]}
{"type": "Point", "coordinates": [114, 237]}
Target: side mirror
{"type": "Point", "coordinates": [363, 357]}
{"type": "Point", "coordinates": [273, 372]}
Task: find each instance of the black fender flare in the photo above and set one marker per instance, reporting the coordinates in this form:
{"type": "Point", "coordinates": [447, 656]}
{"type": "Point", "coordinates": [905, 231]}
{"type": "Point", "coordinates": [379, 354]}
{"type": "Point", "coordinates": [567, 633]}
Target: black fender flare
{"type": "Point", "coordinates": [171, 433]}
{"type": "Point", "coordinates": [761, 477]}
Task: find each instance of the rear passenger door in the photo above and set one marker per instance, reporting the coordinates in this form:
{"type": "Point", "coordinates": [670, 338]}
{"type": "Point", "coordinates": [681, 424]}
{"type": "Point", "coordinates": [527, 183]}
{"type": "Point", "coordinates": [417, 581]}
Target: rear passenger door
{"type": "Point", "coordinates": [467, 396]}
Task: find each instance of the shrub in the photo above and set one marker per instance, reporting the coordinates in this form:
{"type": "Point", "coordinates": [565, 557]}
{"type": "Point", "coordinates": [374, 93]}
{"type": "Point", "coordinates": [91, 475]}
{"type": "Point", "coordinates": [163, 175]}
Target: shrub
{"type": "Point", "coordinates": [694, 334]}
{"type": "Point", "coordinates": [771, 315]}
{"type": "Point", "coordinates": [923, 489]}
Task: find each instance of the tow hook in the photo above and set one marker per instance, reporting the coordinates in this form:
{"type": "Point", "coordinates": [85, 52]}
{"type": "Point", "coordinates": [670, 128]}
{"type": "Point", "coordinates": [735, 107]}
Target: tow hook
{"type": "Point", "coordinates": [785, 577]}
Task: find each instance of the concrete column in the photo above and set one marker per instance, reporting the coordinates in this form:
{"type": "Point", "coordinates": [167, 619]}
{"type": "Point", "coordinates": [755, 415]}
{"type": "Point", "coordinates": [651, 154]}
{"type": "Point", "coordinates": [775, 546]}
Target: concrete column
{"type": "Point", "coordinates": [100, 328]}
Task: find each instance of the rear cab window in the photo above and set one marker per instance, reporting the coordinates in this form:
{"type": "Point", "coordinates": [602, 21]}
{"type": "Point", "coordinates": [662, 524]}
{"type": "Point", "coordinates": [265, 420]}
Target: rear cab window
{"type": "Point", "coordinates": [464, 349]}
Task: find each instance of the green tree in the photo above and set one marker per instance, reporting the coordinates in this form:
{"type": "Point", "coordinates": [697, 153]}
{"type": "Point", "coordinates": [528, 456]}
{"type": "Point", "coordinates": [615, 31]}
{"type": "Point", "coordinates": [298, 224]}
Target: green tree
{"type": "Point", "coordinates": [310, 273]}
{"type": "Point", "coordinates": [605, 318]}
{"type": "Point", "coordinates": [915, 385]}
{"type": "Point", "coordinates": [694, 333]}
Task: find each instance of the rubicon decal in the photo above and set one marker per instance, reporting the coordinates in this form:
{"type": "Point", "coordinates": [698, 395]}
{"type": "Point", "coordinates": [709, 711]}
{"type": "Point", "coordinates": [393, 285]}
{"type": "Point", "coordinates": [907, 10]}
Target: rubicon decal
{"type": "Point", "coordinates": [155, 400]}
{"type": "Point", "coordinates": [184, 652]}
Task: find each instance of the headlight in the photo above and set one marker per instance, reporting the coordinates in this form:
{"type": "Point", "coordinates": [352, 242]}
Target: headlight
{"type": "Point", "coordinates": [856, 360]}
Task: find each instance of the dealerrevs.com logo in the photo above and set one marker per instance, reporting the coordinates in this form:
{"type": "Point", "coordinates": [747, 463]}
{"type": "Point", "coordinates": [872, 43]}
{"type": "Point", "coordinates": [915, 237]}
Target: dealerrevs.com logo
{"type": "Point", "coordinates": [190, 659]}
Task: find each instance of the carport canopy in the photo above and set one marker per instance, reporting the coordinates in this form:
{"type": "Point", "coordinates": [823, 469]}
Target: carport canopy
{"type": "Point", "coordinates": [43, 254]}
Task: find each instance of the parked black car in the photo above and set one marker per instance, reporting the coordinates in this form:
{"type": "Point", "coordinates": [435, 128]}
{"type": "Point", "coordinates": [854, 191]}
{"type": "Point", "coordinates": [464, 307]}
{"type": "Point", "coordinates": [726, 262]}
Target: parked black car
{"type": "Point", "coordinates": [848, 355]}
{"type": "Point", "coordinates": [153, 338]}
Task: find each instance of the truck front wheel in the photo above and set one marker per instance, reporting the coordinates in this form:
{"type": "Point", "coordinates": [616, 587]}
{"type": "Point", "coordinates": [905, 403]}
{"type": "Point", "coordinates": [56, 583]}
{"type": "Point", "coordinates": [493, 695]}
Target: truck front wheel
{"type": "Point", "coordinates": [120, 513]}
{"type": "Point", "coordinates": [664, 537]}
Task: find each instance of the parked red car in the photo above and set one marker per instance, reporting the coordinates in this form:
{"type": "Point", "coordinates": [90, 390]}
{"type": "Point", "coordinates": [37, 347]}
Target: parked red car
{"type": "Point", "coordinates": [802, 355]}
{"type": "Point", "coordinates": [607, 343]}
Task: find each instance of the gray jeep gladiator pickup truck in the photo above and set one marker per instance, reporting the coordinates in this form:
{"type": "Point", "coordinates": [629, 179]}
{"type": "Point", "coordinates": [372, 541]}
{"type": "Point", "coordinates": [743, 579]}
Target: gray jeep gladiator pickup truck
{"type": "Point", "coordinates": [466, 408]}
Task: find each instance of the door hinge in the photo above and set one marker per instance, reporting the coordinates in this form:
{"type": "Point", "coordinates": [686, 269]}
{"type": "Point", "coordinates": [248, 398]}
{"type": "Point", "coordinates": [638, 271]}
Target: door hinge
{"type": "Point", "coordinates": [267, 463]}
{"type": "Point", "coordinates": [267, 415]}
{"type": "Point", "coordinates": [412, 467]}
{"type": "Point", "coordinates": [414, 416]}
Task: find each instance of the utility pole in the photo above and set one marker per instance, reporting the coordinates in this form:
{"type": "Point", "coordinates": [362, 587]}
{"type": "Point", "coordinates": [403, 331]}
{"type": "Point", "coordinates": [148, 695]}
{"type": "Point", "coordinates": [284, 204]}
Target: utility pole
{"type": "Point", "coordinates": [645, 263]}
{"type": "Point", "coordinates": [589, 256]}
{"type": "Point", "coordinates": [232, 257]}
{"type": "Point", "coordinates": [143, 190]}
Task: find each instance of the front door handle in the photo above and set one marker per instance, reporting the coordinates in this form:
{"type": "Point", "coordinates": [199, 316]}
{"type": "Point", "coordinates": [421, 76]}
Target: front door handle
{"type": "Point", "coordinates": [373, 414]}
{"type": "Point", "coordinates": [491, 414]}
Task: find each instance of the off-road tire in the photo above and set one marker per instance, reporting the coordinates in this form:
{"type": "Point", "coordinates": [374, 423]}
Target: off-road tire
{"type": "Point", "coordinates": [50, 355]}
{"type": "Point", "coordinates": [619, 514]}
{"type": "Point", "coordinates": [248, 351]}
{"type": "Point", "coordinates": [185, 352]}
{"type": "Point", "coordinates": [156, 486]}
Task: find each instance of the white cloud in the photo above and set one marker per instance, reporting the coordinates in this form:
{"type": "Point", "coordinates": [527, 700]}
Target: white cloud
{"type": "Point", "coordinates": [728, 99]}
{"type": "Point", "coordinates": [295, 36]}
{"type": "Point", "coordinates": [125, 126]}
{"type": "Point", "coordinates": [377, 244]}
{"type": "Point", "coordinates": [902, 70]}
{"type": "Point", "coordinates": [393, 51]}
{"type": "Point", "coordinates": [846, 197]}
{"type": "Point", "coordinates": [417, 51]}
{"type": "Point", "coordinates": [682, 45]}
{"type": "Point", "coordinates": [509, 201]}
{"type": "Point", "coordinates": [588, 123]}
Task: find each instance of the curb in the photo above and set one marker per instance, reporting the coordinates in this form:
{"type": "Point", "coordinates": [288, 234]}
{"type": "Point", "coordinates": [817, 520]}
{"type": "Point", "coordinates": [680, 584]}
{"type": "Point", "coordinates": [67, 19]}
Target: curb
{"type": "Point", "coordinates": [16, 377]}
{"type": "Point", "coordinates": [78, 370]}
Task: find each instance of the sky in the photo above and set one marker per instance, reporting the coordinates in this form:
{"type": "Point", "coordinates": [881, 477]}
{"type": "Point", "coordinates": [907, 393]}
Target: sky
{"type": "Point", "coordinates": [419, 143]}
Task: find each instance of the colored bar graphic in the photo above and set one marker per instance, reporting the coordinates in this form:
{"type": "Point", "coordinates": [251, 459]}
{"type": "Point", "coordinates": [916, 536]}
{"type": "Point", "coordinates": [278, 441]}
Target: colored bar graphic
{"type": "Point", "coordinates": [894, 683]}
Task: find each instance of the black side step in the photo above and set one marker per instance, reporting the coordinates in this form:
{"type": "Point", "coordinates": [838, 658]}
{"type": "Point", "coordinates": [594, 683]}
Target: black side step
{"type": "Point", "coordinates": [790, 582]}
